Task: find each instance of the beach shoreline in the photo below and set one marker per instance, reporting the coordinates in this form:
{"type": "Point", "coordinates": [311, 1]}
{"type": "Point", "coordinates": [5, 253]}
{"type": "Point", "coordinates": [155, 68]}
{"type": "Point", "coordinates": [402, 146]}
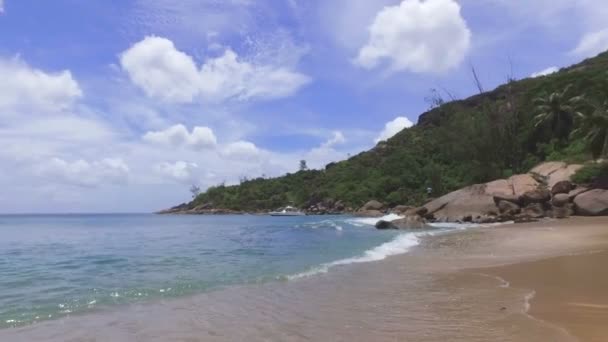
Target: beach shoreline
{"type": "Point", "coordinates": [461, 286]}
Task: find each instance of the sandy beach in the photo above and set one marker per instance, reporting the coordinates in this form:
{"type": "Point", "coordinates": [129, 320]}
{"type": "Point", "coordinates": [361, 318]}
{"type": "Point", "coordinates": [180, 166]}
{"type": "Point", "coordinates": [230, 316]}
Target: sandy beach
{"type": "Point", "coordinates": [532, 282]}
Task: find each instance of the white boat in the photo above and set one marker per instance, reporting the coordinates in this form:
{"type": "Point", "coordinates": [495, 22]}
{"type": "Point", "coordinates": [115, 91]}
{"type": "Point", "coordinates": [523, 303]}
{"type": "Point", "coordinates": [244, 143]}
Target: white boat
{"type": "Point", "coordinates": [287, 211]}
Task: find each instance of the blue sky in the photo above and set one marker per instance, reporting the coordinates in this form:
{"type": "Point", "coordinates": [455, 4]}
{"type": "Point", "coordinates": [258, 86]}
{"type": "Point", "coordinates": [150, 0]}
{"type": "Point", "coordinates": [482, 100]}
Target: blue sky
{"type": "Point", "coordinates": [112, 106]}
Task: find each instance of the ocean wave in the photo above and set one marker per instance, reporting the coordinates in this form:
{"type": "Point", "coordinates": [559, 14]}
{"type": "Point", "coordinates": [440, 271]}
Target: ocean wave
{"type": "Point", "coordinates": [399, 245]}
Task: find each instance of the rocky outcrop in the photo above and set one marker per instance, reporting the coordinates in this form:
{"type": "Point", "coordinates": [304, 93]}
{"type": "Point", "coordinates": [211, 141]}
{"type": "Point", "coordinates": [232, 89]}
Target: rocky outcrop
{"type": "Point", "coordinates": [562, 187]}
{"type": "Point", "coordinates": [520, 197]}
{"type": "Point", "coordinates": [555, 172]}
{"type": "Point", "coordinates": [536, 196]}
{"type": "Point", "coordinates": [373, 205]}
{"type": "Point", "coordinates": [203, 209]}
{"type": "Point", "coordinates": [560, 200]}
{"type": "Point", "coordinates": [175, 210]}
{"type": "Point", "coordinates": [372, 208]}
{"type": "Point", "coordinates": [401, 209]}
{"type": "Point", "coordinates": [408, 222]}
{"type": "Point", "coordinates": [473, 201]}
{"type": "Point", "coordinates": [592, 203]}
{"type": "Point", "coordinates": [508, 208]}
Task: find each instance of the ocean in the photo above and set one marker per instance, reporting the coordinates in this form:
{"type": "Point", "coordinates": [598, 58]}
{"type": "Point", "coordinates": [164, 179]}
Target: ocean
{"type": "Point", "coordinates": [57, 265]}
{"type": "Point", "coordinates": [255, 278]}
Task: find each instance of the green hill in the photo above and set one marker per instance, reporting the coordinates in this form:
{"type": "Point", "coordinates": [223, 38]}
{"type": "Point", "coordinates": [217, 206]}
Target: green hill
{"type": "Point", "coordinates": [484, 137]}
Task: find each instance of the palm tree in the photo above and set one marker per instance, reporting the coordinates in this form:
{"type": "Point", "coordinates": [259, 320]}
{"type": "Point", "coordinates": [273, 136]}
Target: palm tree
{"type": "Point", "coordinates": [594, 130]}
{"type": "Point", "coordinates": [558, 111]}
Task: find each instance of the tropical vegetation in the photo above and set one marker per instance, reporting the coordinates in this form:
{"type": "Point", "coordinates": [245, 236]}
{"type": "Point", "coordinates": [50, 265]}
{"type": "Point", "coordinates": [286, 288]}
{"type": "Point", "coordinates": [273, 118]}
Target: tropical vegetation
{"type": "Point", "coordinates": [457, 143]}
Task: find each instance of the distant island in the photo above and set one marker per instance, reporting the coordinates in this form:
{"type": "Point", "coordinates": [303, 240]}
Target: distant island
{"type": "Point", "coordinates": [505, 149]}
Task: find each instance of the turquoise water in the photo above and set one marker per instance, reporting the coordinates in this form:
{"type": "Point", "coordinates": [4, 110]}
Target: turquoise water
{"type": "Point", "coordinates": [57, 265]}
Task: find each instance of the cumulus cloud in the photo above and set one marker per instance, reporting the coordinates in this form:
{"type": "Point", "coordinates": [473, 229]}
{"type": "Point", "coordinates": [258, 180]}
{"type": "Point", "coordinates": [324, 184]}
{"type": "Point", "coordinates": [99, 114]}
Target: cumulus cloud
{"type": "Point", "coordinates": [592, 44]}
{"type": "Point", "coordinates": [394, 127]}
{"type": "Point", "coordinates": [161, 71]}
{"type": "Point", "coordinates": [418, 36]}
{"type": "Point", "coordinates": [337, 138]}
{"type": "Point", "coordinates": [545, 72]}
{"type": "Point", "coordinates": [178, 136]}
{"type": "Point", "coordinates": [84, 173]}
{"type": "Point", "coordinates": [241, 149]}
{"type": "Point", "coordinates": [24, 87]}
{"type": "Point", "coordinates": [180, 171]}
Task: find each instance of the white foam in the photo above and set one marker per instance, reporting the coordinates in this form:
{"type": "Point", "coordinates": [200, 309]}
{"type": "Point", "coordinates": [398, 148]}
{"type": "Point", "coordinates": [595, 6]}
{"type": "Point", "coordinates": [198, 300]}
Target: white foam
{"type": "Point", "coordinates": [399, 245]}
{"type": "Point", "coordinates": [371, 221]}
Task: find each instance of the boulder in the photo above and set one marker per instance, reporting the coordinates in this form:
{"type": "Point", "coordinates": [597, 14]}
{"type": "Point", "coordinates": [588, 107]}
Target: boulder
{"type": "Point", "coordinates": [547, 168]}
{"type": "Point", "coordinates": [534, 210]}
{"type": "Point", "coordinates": [499, 187]}
{"type": "Point", "coordinates": [509, 198]}
{"type": "Point", "coordinates": [560, 200]}
{"type": "Point", "coordinates": [555, 172]}
{"type": "Point", "coordinates": [384, 225]}
{"type": "Point", "coordinates": [536, 196]}
{"type": "Point", "coordinates": [562, 212]}
{"type": "Point", "coordinates": [486, 219]}
{"type": "Point", "coordinates": [410, 222]}
{"type": "Point", "coordinates": [339, 206]}
{"type": "Point", "coordinates": [471, 201]}
{"type": "Point", "coordinates": [563, 174]}
{"type": "Point", "coordinates": [420, 211]}
{"type": "Point", "coordinates": [522, 184]}
{"type": "Point", "coordinates": [506, 207]}
{"type": "Point", "coordinates": [562, 187]}
{"type": "Point", "coordinates": [401, 209]}
{"type": "Point", "coordinates": [592, 203]}
{"type": "Point", "coordinates": [369, 213]}
{"type": "Point", "coordinates": [579, 190]}
{"type": "Point", "coordinates": [372, 205]}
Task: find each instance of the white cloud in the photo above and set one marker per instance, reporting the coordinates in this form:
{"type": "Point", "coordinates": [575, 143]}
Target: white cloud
{"type": "Point", "coordinates": [394, 127]}
{"type": "Point", "coordinates": [337, 138]}
{"type": "Point", "coordinates": [178, 135]}
{"type": "Point", "coordinates": [26, 88]}
{"type": "Point", "coordinates": [241, 149]}
{"type": "Point", "coordinates": [1, 6]}
{"type": "Point", "coordinates": [419, 36]}
{"type": "Point", "coordinates": [226, 77]}
{"type": "Point", "coordinates": [180, 171]}
{"type": "Point", "coordinates": [84, 173]}
{"type": "Point", "coordinates": [545, 72]}
{"type": "Point", "coordinates": [161, 71]}
{"type": "Point", "coordinates": [592, 44]}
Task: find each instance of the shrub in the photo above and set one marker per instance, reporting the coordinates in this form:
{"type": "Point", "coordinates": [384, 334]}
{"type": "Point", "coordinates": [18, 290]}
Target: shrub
{"type": "Point", "coordinates": [590, 173]}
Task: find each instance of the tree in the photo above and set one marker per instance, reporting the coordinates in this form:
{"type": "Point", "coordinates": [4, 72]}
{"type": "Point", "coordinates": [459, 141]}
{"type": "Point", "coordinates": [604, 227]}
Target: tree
{"type": "Point", "coordinates": [303, 166]}
{"type": "Point", "coordinates": [594, 130]}
{"type": "Point", "coordinates": [558, 111]}
{"type": "Point", "coordinates": [195, 190]}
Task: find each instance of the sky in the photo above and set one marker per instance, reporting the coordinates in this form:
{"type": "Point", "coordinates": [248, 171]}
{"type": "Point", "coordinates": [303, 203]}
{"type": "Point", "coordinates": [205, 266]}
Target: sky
{"type": "Point", "coordinates": [121, 106]}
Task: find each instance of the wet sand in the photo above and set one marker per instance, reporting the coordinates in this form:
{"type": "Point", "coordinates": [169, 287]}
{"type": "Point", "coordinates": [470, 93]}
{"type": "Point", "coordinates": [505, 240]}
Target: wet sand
{"type": "Point", "coordinates": [535, 282]}
{"type": "Point", "coordinates": [570, 291]}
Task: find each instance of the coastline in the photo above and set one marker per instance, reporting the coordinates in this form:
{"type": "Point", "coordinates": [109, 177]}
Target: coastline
{"type": "Point", "coordinates": [450, 287]}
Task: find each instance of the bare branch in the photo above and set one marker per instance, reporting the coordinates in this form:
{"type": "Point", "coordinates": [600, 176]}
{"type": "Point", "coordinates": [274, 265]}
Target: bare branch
{"type": "Point", "coordinates": [476, 78]}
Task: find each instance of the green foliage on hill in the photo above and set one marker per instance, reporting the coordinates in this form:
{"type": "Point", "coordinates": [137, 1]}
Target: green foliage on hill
{"type": "Point", "coordinates": [485, 137]}
{"type": "Point", "coordinates": [591, 172]}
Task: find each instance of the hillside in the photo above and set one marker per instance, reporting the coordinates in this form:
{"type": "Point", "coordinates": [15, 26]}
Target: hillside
{"type": "Point", "coordinates": [485, 137]}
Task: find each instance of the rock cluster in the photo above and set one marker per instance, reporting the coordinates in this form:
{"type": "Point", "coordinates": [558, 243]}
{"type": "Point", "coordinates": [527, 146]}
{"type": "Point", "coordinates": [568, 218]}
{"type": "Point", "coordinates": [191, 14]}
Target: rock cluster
{"type": "Point", "coordinates": [546, 191]}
